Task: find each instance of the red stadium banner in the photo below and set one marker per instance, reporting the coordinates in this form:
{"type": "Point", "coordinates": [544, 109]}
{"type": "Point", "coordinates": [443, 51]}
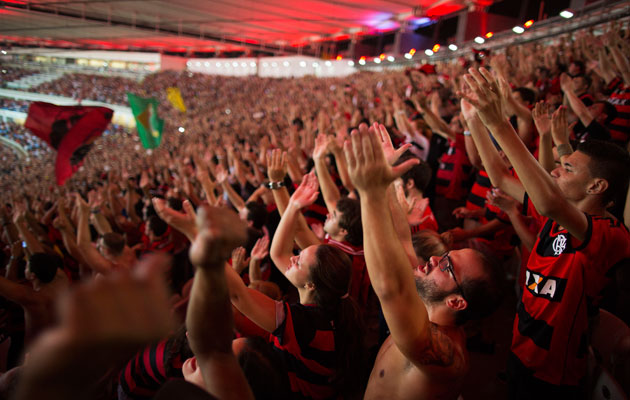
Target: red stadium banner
{"type": "Point", "coordinates": [71, 130]}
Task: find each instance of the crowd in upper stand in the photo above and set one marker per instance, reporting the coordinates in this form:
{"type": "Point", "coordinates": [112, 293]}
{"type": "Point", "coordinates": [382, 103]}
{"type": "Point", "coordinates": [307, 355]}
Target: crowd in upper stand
{"type": "Point", "coordinates": [356, 225]}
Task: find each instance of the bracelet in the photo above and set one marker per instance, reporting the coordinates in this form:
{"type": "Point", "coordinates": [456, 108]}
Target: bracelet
{"type": "Point", "coordinates": [564, 149]}
{"type": "Point", "coordinates": [275, 185]}
{"type": "Point", "coordinates": [467, 133]}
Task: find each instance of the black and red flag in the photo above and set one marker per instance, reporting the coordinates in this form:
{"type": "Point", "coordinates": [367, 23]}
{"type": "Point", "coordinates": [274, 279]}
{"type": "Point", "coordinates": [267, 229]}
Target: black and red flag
{"type": "Point", "coordinates": [71, 130]}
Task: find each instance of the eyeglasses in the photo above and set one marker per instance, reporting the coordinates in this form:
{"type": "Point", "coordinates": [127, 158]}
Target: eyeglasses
{"type": "Point", "coordinates": [445, 264]}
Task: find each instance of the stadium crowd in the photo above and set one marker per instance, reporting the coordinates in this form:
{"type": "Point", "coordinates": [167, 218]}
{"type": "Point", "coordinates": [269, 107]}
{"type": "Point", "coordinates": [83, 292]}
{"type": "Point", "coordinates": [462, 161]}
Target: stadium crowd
{"type": "Point", "coordinates": [326, 237]}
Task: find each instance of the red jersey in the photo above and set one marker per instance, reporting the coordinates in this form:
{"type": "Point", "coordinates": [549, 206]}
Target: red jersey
{"type": "Point", "coordinates": [453, 174]}
{"type": "Point", "coordinates": [477, 196]}
{"type": "Point", "coordinates": [563, 276]}
{"type": "Point", "coordinates": [306, 342]}
{"type": "Point", "coordinates": [620, 98]}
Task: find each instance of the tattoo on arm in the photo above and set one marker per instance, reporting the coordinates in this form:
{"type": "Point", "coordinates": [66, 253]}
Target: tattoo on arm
{"type": "Point", "coordinates": [440, 351]}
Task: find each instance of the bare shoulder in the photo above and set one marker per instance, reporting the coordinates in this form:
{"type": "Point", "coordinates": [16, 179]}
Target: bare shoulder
{"type": "Point", "coordinates": [445, 350]}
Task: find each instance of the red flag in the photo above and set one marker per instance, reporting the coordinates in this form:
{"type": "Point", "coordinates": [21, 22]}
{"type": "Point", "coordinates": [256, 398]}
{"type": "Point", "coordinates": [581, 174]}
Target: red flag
{"type": "Point", "coordinates": [70, 130]}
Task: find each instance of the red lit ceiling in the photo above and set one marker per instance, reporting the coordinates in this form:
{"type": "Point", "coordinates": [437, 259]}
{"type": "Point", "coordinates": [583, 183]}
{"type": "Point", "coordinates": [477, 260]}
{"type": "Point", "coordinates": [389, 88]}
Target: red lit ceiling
{"type": "Point", "coordinates": [217, 25]}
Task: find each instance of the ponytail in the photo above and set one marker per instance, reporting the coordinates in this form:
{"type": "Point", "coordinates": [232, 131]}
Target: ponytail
{"type": "Point", "coordinates": [331, 276]}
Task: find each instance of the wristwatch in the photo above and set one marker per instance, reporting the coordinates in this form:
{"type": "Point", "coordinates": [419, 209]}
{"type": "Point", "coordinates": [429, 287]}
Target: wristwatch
{"type": "Point", "coordinates": [275, 185]}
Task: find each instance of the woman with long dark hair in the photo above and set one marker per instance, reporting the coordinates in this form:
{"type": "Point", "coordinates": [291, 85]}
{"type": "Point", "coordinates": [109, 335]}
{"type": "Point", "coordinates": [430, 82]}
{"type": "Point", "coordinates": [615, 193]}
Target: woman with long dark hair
{"type": "Point", "coordinates": [320, 338]}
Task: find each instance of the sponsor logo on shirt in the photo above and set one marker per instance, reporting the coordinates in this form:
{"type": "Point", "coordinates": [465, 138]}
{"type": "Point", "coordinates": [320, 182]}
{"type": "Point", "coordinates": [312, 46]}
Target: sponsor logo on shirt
{"type": "Point", "coordinates": [548, 287]}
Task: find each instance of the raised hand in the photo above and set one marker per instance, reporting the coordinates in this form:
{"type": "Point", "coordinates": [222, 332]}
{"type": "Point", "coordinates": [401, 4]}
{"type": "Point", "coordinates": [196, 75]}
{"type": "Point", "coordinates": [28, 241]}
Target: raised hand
{"type": "Point", "coordinates": [221, 174]}
{"type": "Point", "coordinates": [321, 146]}
{"type": "Point", "coordinates": [238, 259]}
{"type": "Point", "coordinates": [277, 165]}
{"type": "Point", "coordinates": [405, 204]}
{"type": "Point", "coordinates": [559, 126]}
{"type": "Point", "coordinates": [367, 165]}
{"type": "Point", "coordinates": [261, 248]}
{"type": "Point", "coordinates": [81, 204]}
{"type": "Point", "coordinates": [541, 117]}
{"type": "Point", "coordinates": [220, 232]}
{"type": "Point", "coordinates": [109, 318]}
{"type": "Point", "coordinates": [183, 222]}
{"type": "Point", "coordinates": [462, 212]}
{"type": "Point", "coordinates": [497, 198]}
{"type": "Point", "coordinates": [416, 214]}
{"type": "Point", "coordinates": [488, 97]}
{"type": "Point", "coordinates": [468, 110]}
{"type": "Point", "coordinates": [306, 193]}
{"type": "Point", "coordinates": [392, 155]}
{"type": "Point", "coordinates": [566, 83]}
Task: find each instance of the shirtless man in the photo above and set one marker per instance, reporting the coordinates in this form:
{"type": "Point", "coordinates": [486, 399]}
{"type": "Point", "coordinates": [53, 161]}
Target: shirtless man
{"type": "Point", "coordinates": [425, 356]}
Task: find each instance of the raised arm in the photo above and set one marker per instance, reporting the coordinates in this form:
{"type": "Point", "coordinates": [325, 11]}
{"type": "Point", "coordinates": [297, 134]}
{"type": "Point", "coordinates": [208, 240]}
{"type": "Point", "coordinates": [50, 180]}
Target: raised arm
{"type": "Point", "coordinates": [336, 147]}
{"type": "Point", "coordinates": [276, 170]}
{"type": "Point", "coordinates": [542, 190]}
{"type": "Point", "coordinates": [524, 121]}
{"type": "Point", "coordinates": [495, 167]}
{"type": "Point", "coordinates": [510, 206]}
{"type": "Point", "coordinates": [577, 105]}
{"type": "Point", "coordinates": [543, 125]}
{"type": "Point", "coordinates": [282, 243]}
{"type": "Point", "coordinates": [389, 268]}
{"type": "Point", "coordinates": [92, 257]}
{"type": "Point", "coordinates": [259, 252]}
{"type": "Point", "coordinates": [235, 198]}
{"type": "Point", "coordinates": [209, 317]}
{"type": "Point", "coordinates": [327, 185]}
{"type": "Point", "coordinates": [437, 124]}
{"type": "Point", "coordinates": [184, 222]}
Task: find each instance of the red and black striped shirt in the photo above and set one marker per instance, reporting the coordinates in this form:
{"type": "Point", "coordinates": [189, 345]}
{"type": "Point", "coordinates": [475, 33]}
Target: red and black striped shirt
{"type": "Point", "coordinates": [306, 342]}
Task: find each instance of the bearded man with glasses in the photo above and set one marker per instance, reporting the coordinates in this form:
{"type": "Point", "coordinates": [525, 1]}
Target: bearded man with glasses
{"type": "Point", "coordinates": [425, 356]}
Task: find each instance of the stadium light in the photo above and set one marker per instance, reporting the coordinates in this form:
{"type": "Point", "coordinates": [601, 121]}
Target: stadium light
{"type": "Point", "coordinates": [489, 35]}
{"type": "Point", "coordinates": [452, 47]}
{"type": "Point", "coordinates": [480, 40]}
{"type": "Point", "coordinates": [428, 52]}
{"type": "Point", "coordinates": [529, 23]}
{"type": "Point", "coordinates": [408, 56]}
{"type": "Point", "coordinates": [436, 48]}
{"type": "Point", "coordinates": [566, 14]}
{"type": "Point", "coordinates": [518, 29]}
{"type": "Point", "coordinates": [412, 51]}
{"type": "Point", "coordinates": [362, 61]}
{"type": "Point", "coordinates": [377, 60]}
{"type": "Point", "coordinates": [391, 59]}
{"type": "Point", "coordinates": [351, 63]}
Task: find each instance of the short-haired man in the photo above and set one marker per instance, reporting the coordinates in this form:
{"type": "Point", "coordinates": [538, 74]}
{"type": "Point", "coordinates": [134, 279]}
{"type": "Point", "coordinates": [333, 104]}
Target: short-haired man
{"type": "Point", "coordinates": [578, 244]}
{"type": "Point", "coordinates": [425, 357]}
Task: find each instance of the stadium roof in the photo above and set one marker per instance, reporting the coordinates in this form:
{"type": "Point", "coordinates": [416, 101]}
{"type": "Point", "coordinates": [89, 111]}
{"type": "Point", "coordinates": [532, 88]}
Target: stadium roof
{"type": "Point", "coordinates": [218, 26]}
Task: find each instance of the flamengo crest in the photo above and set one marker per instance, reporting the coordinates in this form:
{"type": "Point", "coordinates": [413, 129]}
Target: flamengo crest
{"type": "Point", "coordinates": [559, 244]}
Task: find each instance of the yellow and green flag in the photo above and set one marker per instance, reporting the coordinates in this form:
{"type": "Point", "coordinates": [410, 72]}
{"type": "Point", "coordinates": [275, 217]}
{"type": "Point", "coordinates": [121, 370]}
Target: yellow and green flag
{"type": "Point", "coordinates": [175, 97]}
{"type": "Point", "coordinates": [147, 121]}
